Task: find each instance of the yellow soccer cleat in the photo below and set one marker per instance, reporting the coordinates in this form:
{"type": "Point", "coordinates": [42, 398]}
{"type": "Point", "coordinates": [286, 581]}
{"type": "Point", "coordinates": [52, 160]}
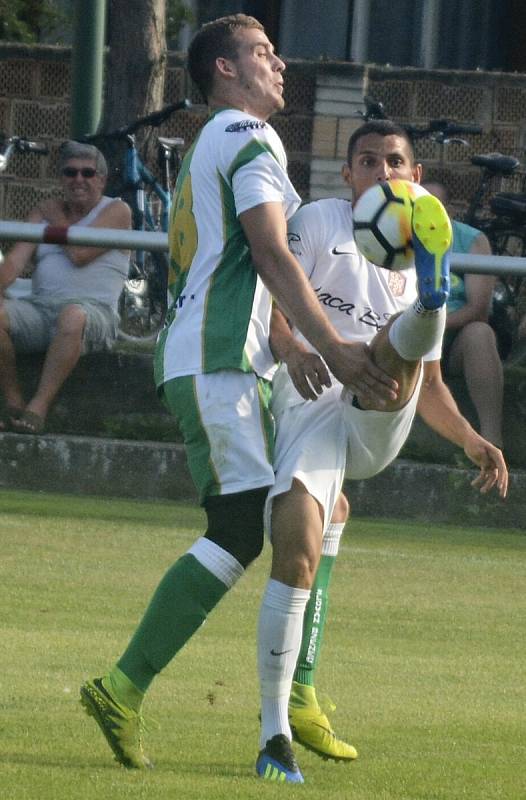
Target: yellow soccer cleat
{"type": "Point", "coordinates": [121, 726]}
{"type": "Point", "coordinates": [432, 238]}
{"type": "Point", "coordinates": [311, 727]}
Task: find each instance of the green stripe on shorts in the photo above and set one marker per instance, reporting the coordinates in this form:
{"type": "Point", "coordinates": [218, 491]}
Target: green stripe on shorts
{"type": "Point", "coordinates": [180, 397]}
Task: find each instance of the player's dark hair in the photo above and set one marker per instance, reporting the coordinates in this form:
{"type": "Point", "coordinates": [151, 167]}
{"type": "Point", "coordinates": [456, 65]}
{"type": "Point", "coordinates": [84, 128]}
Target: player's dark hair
{"type": "Point", "coordinates": [380, 127]}
{"type": "Point", "coordinates": [213, 40]}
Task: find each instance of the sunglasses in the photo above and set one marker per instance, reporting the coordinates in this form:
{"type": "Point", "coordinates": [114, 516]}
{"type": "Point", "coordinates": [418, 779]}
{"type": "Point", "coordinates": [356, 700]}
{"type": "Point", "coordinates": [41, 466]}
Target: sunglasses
{"type": "Point", "coordinates": [86, 172]}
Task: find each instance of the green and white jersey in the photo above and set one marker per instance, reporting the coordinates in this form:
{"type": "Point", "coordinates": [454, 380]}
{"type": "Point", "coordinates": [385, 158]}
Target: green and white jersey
{"type": "Point", "coordinates": [220, 311]}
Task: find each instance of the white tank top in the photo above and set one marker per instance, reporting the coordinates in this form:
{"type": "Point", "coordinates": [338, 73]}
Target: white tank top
{"type": "Point", "coordinates": [102, 280]}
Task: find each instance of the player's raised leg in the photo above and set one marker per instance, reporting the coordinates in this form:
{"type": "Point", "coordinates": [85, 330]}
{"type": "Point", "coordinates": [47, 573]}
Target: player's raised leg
{"type": "Point", "coordinates": [399, 347]}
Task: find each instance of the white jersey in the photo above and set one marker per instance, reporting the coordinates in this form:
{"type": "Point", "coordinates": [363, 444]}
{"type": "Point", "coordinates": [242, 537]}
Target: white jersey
{"type": "Point", "coordinates": [358, 297]}
{"type": "Point", "coordinates": [220, 313]}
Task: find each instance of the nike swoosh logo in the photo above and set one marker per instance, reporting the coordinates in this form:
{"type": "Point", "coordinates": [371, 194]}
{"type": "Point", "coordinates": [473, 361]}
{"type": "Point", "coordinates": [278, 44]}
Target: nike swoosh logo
{"type": "Point", "coordinates": [281, 652]}
{"type": "Point", "coordinates": [337, 252]}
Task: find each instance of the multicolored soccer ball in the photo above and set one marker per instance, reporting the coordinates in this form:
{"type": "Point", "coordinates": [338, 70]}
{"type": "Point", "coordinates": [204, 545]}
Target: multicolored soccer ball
{"type": "Point", "coordinates": [382, 223]}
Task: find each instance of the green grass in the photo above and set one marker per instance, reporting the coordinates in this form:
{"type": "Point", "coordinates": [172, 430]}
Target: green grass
{"type": "Point", "coordinates": [424, 656]}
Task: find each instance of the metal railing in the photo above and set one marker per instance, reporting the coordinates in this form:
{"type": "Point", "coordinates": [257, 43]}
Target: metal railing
{"type": "Point", "coordinates": [158, 241]}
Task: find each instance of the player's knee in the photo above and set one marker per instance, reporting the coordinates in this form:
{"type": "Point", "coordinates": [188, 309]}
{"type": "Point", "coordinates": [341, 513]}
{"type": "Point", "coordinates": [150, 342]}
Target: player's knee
{"type": "Point", "coordinates": [341, 510]}
{"type": "Point", "coordinates": [235, 523]}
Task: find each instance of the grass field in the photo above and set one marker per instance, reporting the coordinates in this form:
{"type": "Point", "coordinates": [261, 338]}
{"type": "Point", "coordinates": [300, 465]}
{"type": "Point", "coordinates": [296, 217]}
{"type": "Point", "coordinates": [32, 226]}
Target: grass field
{"type": "Point", "coordinates": [424, 657]}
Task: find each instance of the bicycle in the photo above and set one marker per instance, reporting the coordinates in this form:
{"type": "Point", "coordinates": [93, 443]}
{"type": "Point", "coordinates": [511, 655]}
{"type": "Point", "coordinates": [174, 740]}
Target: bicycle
{"type": "Point", "coordinates": [18, 144]}
{"type": "Point", "coordinates": [143, 302]}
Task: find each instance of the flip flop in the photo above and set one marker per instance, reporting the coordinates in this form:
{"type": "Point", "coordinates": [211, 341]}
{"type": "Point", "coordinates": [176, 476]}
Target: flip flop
{"type": "Point", "coordinates": [8, 414]}
{"type": "Point", "coordinates": [28, 422]}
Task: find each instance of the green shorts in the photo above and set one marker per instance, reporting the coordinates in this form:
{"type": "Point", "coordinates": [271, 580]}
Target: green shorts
{"type": "Point", "coordinates": [227, 427]}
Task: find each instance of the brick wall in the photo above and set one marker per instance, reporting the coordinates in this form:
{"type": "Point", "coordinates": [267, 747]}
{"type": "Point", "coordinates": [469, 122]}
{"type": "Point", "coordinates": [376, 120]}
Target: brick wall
{"type": "Point", "coordinates": [495, 101]}
{"type": "Point", "coordinates": [323, 100]}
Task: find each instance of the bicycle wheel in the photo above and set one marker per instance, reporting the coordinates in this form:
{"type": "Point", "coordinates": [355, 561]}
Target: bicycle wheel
{"type": "Point", "coordinates": [141, 304]}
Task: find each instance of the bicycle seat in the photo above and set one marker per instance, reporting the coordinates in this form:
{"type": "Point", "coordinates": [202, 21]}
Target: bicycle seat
{"type": "Point", "coordinates": [171, 143]}
{"type": "Point", "coordinates": [496, 163]}
{"type": "Point", "coordinates": [509, 204]}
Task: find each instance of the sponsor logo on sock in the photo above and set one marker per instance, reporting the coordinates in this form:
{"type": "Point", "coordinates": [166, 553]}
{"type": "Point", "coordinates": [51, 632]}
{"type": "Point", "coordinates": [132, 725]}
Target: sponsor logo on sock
{"type": "Point", "coordinates": [280, 653]}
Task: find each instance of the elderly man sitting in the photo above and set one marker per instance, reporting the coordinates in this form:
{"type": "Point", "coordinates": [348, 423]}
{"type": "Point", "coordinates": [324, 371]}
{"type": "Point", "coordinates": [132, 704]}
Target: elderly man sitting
{"type": "Point", "coordinates": [72, 308]}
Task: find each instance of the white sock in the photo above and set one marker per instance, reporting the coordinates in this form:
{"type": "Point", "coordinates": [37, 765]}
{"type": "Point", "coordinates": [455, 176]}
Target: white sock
{"type": "Point", "coordinates": [279, 639]}
{"type": "Point", "coordinates": [417, 330]}
{"type": "Point", "coordinates": [219, 562]}
{"type": "Point", "coordinates": [331, 539]}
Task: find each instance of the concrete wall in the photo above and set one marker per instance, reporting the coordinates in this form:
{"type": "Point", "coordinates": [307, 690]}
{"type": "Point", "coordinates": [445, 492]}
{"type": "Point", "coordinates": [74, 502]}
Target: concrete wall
{"type": "Point", "coordinates": [108, 434]}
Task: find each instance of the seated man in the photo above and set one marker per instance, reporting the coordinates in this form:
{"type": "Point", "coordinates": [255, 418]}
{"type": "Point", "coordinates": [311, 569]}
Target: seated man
{"type": "Point", "coordinates": [346, 433]}
{"type": "Point", "coordinates": [72, 308]}
{"type": "Point", "coordinates": [470, 345]}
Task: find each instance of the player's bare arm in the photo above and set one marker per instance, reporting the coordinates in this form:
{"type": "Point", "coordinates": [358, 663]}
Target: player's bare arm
{"type": "Point", "coordinates": [307, 370]}
{"type": "Point", "coordinates": [266, 230]}
{"type": "Point", "coordinates": [439, 410]}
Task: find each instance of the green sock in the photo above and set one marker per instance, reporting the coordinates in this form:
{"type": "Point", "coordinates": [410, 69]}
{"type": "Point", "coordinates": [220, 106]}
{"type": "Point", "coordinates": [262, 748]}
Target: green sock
{"type": "Point", "coordinates": [314, 623]}
{"type": "Point", "coordinates": [179, 606]}
{"type": "Point", "coordinates": [122, 689]}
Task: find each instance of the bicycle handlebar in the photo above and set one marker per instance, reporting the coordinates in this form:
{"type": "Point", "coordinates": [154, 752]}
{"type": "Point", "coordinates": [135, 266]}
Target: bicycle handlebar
{"type": "Point", "coordinates": [22, 145]}
{"type": "Point", "coordinates": [154, 119]}
{"type": "Point", "coordinates": [27, 146]}
{"type": "Point", "coordinates": [444, 127]}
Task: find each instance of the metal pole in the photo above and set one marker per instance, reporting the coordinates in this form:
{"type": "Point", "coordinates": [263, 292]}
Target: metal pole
{"type": "Point", "coordinates": [360, 31]}
{"type": "Point", "coordinates": [430, 33]}
{"type": "Point", "coordinates": [158, 241]}
{"type": "Point", "coordinates": [83, 235]}
{"type": "Point", "coordinates": [87, 66]}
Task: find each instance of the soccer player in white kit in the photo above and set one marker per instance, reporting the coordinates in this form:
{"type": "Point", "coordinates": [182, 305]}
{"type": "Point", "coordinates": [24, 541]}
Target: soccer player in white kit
{"type": "Point", "coordinates": [342, 434]}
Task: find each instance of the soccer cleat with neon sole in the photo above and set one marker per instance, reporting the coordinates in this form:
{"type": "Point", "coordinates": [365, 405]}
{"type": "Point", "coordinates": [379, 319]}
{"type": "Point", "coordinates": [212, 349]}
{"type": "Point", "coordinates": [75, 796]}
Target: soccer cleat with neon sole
{"type": "Point", "coordinates": [121, 726]}
{"type": "Point", "coordinates": [276, 762]}
{"type": "Point", "coordinates": [311, 728]}
{"type": "Point", "coordinates": [432, 238]}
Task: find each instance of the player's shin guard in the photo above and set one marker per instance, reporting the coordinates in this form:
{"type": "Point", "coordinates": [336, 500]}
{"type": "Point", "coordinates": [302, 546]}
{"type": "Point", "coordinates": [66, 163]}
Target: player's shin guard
{"type": "Point", "coordinates": [179, 606]}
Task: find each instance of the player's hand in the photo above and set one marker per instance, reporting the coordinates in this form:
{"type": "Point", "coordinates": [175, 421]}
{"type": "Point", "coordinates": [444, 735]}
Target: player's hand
{"type": "Point", "coordinates": [490, 461]}
{"type": "Point", "coordinates": [308, 372]}
{"type": "Point", "coordinates": [353, 365]}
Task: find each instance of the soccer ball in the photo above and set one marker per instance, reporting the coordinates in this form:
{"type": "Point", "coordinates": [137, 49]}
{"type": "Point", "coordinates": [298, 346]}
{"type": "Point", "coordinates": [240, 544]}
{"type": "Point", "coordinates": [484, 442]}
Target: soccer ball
{"type": "Point", "coordinates": [382, 223]}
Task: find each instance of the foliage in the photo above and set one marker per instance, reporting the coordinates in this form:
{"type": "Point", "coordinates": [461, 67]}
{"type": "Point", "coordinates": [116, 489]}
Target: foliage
{"type": "Point", "coordinates": [26, 20]}
{"type": "Point", "coordinates": [177, 15]}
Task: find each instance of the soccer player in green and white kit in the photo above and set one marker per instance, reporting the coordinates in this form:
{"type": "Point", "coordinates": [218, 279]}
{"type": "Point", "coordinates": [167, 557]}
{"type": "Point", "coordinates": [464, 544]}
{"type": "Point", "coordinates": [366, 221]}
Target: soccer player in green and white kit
{"type": "Point", "coordinates": [228, 256]}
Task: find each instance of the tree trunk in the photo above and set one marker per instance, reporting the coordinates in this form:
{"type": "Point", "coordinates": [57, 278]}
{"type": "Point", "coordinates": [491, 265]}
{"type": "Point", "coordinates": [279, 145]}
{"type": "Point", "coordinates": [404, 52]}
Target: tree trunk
{"type": "Point", "coordinates": [135, 68]}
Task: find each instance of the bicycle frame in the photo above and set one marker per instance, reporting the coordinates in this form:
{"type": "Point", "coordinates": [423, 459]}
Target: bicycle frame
{"type": "Point", "coordinates": [137, 177]}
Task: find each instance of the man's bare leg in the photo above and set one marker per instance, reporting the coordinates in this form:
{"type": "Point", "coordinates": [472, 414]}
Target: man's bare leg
{"type": "Point", "coordinates": [61, 358]}
{"type": "Point", "coordinates": [9, 385]}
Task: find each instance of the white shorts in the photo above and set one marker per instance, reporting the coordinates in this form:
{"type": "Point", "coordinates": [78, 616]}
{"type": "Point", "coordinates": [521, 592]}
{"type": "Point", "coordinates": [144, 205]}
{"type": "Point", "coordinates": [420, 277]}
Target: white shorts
{"type": "Point", "coordinates": [321, 442]}
{"type": "Point", "coordinates": [227, 427]}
